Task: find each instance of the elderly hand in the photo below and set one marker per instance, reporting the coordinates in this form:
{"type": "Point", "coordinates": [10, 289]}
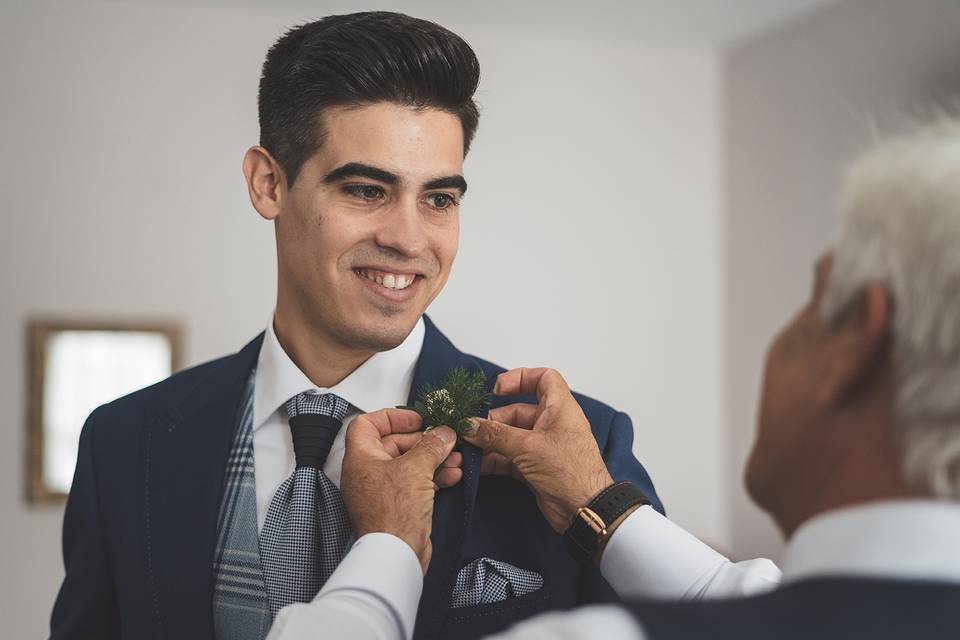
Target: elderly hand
{"type": "Point", "coordinates": [390, 475]}
{"type": "Point", "coordinates": [548, 445]}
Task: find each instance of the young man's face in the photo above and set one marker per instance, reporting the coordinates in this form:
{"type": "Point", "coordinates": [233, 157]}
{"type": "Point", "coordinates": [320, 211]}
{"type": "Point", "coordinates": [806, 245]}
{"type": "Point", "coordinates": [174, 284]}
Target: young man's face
{"type": "Point", "coordinates": [368, 236]}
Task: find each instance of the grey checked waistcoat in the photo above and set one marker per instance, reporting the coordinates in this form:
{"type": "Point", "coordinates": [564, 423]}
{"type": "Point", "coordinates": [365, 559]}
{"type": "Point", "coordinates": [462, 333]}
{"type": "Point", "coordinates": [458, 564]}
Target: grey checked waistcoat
{"type": "Point", "coordinates": [240, 607]}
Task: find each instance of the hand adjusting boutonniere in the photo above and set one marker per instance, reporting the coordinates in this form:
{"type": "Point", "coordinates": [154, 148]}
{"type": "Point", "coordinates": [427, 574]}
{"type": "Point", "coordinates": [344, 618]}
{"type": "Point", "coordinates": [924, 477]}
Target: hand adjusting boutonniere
{"type": "Point", "coordinates": [461, 396]}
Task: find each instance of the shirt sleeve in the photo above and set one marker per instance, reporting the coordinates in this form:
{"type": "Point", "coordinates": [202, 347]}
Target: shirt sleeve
{"type": "Point", "coordinates": [580, 624]}
{"type": "Point", "coordinates": [648, 556]}
{"type": "Point", "coordinates": [373, 594]}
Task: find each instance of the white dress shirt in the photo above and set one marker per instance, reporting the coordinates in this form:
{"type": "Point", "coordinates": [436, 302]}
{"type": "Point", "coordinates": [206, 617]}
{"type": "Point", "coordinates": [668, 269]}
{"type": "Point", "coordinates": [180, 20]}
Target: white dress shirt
{"type": "Point", "coordinates": [381, 382]}
{"type": "Point", "coordinates": [905, 540]}
{"type": "Point", "coordinates": [898, 539]}
{"type": "Point", "coordinates": [647, 556]}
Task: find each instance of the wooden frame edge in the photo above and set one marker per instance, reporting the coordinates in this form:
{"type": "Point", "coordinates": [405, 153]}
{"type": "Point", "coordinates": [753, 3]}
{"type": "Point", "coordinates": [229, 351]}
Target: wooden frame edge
{"type": "Point", "coordinates": [39, 330]}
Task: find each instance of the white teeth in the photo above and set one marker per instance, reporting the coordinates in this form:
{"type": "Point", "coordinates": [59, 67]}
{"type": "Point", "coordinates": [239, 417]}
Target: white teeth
{"type": "Point", "coordinates": [389, 280]}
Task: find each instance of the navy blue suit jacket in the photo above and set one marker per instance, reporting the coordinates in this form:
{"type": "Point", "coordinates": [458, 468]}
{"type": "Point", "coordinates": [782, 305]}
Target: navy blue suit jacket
{"type": "Point", "coordinates": [823, 608]}
{"type": "Point", "coordinates": [140, 524]}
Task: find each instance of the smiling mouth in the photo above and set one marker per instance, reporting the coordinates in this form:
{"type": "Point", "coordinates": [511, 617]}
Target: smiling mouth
{"type": "Point", "coordinates": [387, 279]}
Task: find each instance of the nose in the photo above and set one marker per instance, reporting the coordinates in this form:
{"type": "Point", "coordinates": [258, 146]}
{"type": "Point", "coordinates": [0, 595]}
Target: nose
{"type": "Point", "coordinates": [403, 230]}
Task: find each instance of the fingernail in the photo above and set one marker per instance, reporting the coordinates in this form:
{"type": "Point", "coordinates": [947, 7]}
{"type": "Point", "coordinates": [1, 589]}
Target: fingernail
{"type": "Point", "coordinates": [472, 429]}
{"type": "Point", "coordinates": [446, 434]}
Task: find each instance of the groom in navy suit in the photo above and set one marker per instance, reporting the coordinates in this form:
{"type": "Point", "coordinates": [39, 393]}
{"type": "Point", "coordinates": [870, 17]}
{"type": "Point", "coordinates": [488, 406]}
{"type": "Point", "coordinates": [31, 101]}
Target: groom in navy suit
{"type": "Point", "coordinates": [189, 495]}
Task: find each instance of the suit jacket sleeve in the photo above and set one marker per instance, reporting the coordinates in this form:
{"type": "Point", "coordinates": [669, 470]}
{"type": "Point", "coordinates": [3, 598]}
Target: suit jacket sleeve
{"type": "Point", "coordinates": [622, 464]}
{"type": "Point", "coordinates": [86, 606]}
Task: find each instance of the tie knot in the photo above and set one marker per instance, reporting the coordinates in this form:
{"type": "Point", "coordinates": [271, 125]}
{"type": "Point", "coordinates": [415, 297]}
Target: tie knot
{"type": "Point", "coordinates": [315, 420]}
{"type": "Point", "coordinates": [324, 404]}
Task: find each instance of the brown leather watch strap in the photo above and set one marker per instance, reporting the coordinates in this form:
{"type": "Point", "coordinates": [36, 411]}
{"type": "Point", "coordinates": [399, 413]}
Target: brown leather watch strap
{"type": "Point", "coordinates": [591, 523]}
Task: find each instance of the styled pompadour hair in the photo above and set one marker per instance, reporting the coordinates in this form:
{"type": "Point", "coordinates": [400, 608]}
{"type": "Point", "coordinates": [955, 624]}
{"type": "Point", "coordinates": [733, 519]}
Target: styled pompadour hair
{"type": "Point", "coordinates": [359, 59]}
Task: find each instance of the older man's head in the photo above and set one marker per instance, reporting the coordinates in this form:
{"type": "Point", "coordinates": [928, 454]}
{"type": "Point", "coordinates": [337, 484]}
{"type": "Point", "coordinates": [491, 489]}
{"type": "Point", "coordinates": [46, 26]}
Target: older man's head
{"type": "Point", "coordinates": [861, 398]}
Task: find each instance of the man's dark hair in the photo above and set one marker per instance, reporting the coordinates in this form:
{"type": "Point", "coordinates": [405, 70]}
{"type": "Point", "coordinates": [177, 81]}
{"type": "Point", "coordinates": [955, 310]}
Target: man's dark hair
{"type": "Point", "coordinates": [358, 59]}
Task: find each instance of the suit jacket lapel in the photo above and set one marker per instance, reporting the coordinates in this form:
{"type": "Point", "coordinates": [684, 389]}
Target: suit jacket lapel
{"type": "Point", "coordinates": [185, 460]}
{"type": "Point", "coordinates": [454, 506]}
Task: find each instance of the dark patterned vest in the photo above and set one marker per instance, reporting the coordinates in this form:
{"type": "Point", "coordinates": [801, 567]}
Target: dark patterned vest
{"type": "Point", "coordinates": [815, 609]}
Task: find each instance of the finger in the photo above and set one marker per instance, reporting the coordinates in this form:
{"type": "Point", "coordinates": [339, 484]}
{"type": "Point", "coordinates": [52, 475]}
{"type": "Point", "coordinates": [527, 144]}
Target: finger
{"type": "Point", "coordinates": [388, 421]}
{"type": "Point", "coordinates": [367, 430]}
{"type": "Point", "coordinates": [547, 384]}
{"type": "Point", "coordinates": [363, 436]}
{"type": "Point", "coordinates": [397, 444]}
{"type": "Point", "coordinates": [491, 435]}
{"type": "Point", "coordinates": [520, 414]}
{"type": "Point", "coordinates": [494, 464]}
{"type": "Point", "coordinates": [403, 420]}
{"type": "Point", "coordinates": [448, 477]}
{"type": "Point", "coordinates": [454, 460]}
{"type": "Point", "coordinates": [433, 449]}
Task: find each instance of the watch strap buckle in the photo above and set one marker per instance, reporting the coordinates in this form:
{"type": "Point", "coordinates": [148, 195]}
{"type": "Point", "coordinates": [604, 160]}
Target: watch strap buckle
{"type": "Point", "coordinates": [592, 520]}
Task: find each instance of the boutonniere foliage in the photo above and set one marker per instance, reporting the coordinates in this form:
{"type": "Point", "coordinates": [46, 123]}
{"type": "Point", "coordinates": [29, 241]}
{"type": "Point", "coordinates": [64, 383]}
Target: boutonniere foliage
{"type": "Point", "coordinates": [463, 395]}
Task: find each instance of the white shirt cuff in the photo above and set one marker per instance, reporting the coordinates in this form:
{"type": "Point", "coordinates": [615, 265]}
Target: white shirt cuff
{"type": "Point", "coordinates": [385, 566]}
{"type": "Point", "coordinates": [648, 556]}
{"type": "Point", "coordinates": [584, 623]}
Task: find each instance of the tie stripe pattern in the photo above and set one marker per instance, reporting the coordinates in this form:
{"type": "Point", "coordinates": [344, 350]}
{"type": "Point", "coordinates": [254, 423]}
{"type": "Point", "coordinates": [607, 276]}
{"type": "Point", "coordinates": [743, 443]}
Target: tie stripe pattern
{"type": "Point", "coordinates": [307, 529]}
{"type": "Point", "coordinates": [315, 420]}
{"type": "Point", "coordinates": [240, 607]}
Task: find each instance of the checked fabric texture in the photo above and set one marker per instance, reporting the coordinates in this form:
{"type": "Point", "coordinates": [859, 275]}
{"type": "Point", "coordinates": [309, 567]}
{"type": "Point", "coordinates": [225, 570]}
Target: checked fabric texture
{"type": "Point", "coordinates": [240, 609]}
{"type": "Point", "coordinates": [485, 581]}
{"type": "Point", "coordinates": [307, 529]}
{"type": "Point", "coordinates": [244, 563]}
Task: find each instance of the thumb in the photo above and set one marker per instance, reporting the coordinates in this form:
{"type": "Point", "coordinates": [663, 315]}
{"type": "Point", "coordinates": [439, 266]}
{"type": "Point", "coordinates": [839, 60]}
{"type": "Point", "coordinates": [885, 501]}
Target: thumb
{"type": "Point", "coordinates": [497, 437]}
{"type": "Point", "coordinates": [433, 449]}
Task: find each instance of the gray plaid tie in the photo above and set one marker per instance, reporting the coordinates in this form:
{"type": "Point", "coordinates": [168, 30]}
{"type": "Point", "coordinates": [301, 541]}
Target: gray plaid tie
{"type": "Point", "coordinates": [307, 529]}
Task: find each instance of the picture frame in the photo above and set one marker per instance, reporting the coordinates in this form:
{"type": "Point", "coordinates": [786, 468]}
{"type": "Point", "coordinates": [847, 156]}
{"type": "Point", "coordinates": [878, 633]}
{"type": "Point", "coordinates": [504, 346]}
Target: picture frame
{"type": "Point", "coordinates": [75, 366]}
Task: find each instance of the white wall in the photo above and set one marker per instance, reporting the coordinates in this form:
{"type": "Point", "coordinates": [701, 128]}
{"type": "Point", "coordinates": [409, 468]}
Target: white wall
{"type": "Point", "coordinates": [591, 243]}
{"type": "Point", "coordinates": [590, 234]}
{"type": "Point", "coordinates": [799, 104]}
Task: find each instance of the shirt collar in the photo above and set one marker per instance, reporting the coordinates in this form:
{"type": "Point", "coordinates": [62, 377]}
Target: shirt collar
{"type": "Point", "coordinates": [382, 381]}
{"type": "Point", "coordinates": [904, 539]}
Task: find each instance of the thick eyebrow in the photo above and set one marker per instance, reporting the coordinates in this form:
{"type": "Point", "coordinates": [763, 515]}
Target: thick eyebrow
{"type": "Point", "coordinates": [359, 170]}
{"type": "Point", "coordinates": [448, 182]}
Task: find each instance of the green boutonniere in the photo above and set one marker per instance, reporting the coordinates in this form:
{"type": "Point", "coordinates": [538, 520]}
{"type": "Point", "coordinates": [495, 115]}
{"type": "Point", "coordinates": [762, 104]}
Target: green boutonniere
{"type": "Point", "coordinates": [461, 396]}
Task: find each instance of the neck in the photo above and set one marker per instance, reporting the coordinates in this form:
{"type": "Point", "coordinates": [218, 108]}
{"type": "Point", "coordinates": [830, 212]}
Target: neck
{"type": "Point", "coordinates": [868, 470]}
{"type": "Point", "coordinates": [851, 495]}
{"type": "Point", "coordinates": [854, 457]}
{"type": "Point", "coordinates": [321, 358]}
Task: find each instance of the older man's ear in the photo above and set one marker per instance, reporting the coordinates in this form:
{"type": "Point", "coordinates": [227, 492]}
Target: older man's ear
{"type": "Point", "coordinates": [858, 346]}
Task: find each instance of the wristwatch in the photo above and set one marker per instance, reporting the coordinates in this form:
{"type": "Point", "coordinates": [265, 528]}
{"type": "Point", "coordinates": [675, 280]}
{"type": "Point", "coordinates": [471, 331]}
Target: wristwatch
{"type": "Point", "coordinates": [589, 527]}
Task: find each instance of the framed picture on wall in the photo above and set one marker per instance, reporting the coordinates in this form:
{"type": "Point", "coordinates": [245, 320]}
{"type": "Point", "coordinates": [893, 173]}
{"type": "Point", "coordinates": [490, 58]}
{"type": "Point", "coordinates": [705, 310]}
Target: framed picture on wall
{"type": "Point", "coordinates": [74, 367]}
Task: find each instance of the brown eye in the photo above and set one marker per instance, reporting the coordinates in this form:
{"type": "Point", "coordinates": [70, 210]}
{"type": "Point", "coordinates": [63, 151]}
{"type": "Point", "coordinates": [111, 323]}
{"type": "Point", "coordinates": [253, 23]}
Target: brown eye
{"type": "Point", "coordinates": [441, 201]}
{"type": "Point", "coordinates": [364, 191]}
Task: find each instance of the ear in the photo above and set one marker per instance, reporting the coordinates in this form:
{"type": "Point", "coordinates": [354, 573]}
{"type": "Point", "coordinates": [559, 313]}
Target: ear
{"type": "Point", "coordinates": [858, 344]}
{"type": "Point", "coordinates": [266, 182]}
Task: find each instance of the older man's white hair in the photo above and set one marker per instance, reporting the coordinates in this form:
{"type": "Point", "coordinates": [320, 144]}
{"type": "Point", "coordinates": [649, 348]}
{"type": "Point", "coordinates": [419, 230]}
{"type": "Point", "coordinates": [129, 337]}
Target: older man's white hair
{"type": "Point", "coordinates": [901, 225]}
